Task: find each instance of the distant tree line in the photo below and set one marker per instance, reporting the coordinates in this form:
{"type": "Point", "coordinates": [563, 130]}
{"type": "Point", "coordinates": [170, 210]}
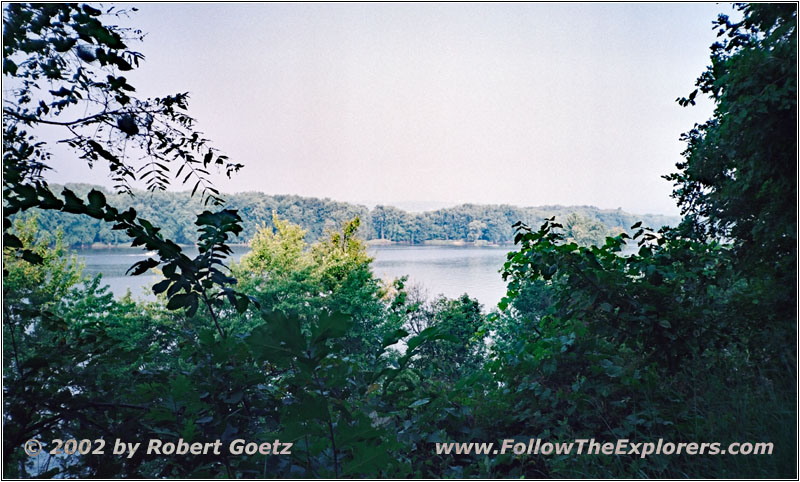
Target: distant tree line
{"type": "Point", "coordinates": [174, 213]}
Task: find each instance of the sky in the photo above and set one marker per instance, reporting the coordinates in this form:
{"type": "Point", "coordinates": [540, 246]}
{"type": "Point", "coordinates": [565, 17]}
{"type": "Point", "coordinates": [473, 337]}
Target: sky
{"type": "Point", "coordinates": [434, 104]}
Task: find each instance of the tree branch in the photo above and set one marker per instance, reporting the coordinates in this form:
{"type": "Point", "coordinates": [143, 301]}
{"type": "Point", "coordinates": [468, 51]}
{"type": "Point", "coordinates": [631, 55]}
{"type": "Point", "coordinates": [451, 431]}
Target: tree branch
{"type": "Point", "coordinates": [56, 123]}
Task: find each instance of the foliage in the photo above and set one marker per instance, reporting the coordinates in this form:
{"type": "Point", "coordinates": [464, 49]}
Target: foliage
{"type": "Point", "coordinates": [615, 345]}
{"type": "Point", "coordinates": [67, 346]}
{"type": "Point", "coordinates": [56, 359]}
{"type": "Point", "coordinates": [698, 325]}
{"type": "Point", "coordinates": [291, 277]}
{"type": "Point", "coordinates": [175, 212]}
{"type": "Point", "coordinates": [738, 181]}
{"type": "Point", "coordinates": [81, 59]}
{"type": "Point", "coordinates": [463, 320]}
{"type": "Point", "coordinates": [71, 48]}
{"type": "Point", "coordinates": [284, 376]}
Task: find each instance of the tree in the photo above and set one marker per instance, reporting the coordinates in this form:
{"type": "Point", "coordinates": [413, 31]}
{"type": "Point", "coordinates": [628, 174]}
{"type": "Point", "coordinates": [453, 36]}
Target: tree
{"type": "Point", "coordinates": [461, 319]}
{"type": "Point", "coordinates": [739, 176]}
{"type": "Point", "coordinates": [62, 60]}
{"type": "Point", "coordinates": [62, 56]}
{"type": "Point", "coordinates": [68, 346]}
{"type": "Point", "coordinates": [63, 66]}
{"type": "Point", "coordinates": [738, 182]}
{"type": "Point", "coordinates": [624, 339]}
{"type": "Point", "coordinates": [584, 230]}
{"type": "Point", "coordinates": [276, 252]}
{"type": "Point", "coordinates": [476, 229]}
{"type": "Point", "coordinates": [175, 213]}
{"type": "Point", "coordinates": [331, 275]}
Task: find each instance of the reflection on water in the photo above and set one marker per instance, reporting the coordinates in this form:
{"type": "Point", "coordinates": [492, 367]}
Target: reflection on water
{"type": "Point", "coordinates": [447, 270]}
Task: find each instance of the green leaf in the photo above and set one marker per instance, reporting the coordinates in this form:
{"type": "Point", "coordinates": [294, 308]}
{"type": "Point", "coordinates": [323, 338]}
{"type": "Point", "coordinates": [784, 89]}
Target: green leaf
{"type": "Point", "coordinates": [161, 286]}
{"type": "Point", "coordinates": [368, 458]}
{"type": "Point", "coordinates": [96, 199]}
{"type": "Point", "coordinates": [9, 67]}
{"type": "Point", "coordinates": [193, 303]}
{"type": "Point", "coordinates": [181, 300]}
{"type": "Point", "coordinates": [11, 241]}
{"type": "Point", "coordinates": [31, 257]}
{"type": "Point", "coordinates": [393, 337]}
{"type": "Point", "coordinates": [278, 339]}
{"type": "Point", "coordinates": [234, 398]}
{"type": "Point", "coordinates": [142, 267]}
{"type": "Point", "coordinates": [330, 326]}
{"type": "Point", "coordinates": [91, 10]}
{"type": "Point", "coordinates": [430, 334]}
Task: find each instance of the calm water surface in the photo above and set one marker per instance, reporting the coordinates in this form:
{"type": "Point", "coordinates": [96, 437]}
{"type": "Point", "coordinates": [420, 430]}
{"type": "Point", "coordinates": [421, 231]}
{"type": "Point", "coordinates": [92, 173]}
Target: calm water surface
{"type": "Point", "coordinates": [448, 270]}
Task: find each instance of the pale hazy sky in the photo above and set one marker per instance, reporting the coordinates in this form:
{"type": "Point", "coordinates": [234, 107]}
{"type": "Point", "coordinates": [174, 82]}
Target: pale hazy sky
{"type": "Point", "coordinates": [525, 104]}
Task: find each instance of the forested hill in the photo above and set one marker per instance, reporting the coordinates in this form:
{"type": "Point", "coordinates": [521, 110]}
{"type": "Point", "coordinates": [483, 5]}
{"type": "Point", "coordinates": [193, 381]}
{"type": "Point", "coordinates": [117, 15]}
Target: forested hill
{"type": "Point", "coordinates": [175, 213]}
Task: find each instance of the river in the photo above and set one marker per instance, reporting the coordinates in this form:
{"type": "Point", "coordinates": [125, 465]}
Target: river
{"type": "Point", "coordinates": [448, 270]}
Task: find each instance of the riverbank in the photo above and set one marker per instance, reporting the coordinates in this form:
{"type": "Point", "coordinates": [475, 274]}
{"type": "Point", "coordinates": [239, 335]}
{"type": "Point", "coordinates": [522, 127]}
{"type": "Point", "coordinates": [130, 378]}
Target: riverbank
{"type": "Point", "coordinates": [448, 270]}
{"type": "Point", "coordinates": [370, 242]}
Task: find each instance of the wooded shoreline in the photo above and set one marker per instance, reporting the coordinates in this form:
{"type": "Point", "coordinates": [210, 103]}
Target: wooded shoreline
{"type": "Point", "coordinates": [463, 225]}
